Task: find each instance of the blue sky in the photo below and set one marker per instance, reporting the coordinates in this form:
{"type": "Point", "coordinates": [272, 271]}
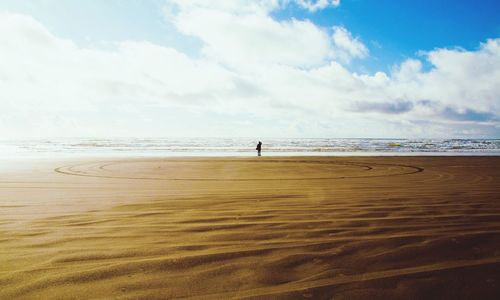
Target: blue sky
{"type": "Point", "coordinates": [396, 30]}
{"type": "Point", "coordinates": [302, 68]}
{"type": "Point", "coordinates": [393, 30]}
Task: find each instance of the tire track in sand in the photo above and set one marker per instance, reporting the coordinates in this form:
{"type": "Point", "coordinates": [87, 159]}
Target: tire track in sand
{"type": "Point", "coordinates": [92, 170]}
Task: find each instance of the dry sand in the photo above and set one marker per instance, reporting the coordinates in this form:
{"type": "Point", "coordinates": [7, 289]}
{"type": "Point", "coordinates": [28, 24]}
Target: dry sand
{"type": "Point", "coordinates": [258, 228]}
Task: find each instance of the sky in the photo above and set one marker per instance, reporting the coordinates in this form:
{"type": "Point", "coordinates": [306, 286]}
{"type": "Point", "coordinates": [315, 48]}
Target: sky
{"type": "Point", "coordinates": [241, 68]}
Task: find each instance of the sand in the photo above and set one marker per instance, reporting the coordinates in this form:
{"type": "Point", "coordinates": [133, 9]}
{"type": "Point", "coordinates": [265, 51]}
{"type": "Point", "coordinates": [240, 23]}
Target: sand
{"type": "Point", "coordinates": [252, 228]}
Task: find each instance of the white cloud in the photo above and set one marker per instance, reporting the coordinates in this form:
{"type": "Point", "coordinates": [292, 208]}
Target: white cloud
{"type": "Point", "coordinates": [465, 79]}
{"type": "Point", "coordinates": [346, 46]}
{"type": "Point", "coordinates": [313, 6]}
{"type": "Point", "coordinates": [231, 6]}
{"type": "Point", "coordinates": [249, 6]}
{"type": "Point", "coordinates": [255, 77]}
{"type": "Point", "coordinates": [250, 37]}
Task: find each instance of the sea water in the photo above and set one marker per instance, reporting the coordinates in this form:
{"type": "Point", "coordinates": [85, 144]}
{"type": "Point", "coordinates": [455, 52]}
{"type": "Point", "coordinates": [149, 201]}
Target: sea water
{"type": "Point", "coordinates": [244, 147]}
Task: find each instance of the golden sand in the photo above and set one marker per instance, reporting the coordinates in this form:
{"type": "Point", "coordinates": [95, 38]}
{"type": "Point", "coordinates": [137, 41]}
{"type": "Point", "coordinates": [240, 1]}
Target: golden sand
{"type": "Point", "coordinates": [256, 228]}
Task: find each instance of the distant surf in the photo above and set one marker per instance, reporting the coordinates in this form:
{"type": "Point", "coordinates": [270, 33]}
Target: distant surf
{"type": "Point", "coordinates": [245, 147]}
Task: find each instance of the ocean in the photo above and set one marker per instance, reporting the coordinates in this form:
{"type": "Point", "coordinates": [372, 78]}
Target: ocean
{"type": "Point", "coordinates": [85, 147]}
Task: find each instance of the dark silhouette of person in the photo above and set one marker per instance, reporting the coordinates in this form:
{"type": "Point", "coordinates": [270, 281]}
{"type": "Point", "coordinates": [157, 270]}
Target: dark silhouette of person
{"type": "Point", "coordinates": [259, 147]}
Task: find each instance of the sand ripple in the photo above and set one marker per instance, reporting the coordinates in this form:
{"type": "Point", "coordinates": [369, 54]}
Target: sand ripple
{"type": "Point", "coordinates": [267, 228]}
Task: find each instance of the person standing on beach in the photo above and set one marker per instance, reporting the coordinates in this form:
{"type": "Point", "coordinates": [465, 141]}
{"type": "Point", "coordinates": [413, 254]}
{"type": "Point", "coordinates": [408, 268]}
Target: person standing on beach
{"type": "Point", "coordinates": [259, 147]}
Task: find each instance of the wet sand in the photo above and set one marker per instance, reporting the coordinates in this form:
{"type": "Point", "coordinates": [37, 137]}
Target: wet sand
{"type": "Point", "coordinates": [253, 228]}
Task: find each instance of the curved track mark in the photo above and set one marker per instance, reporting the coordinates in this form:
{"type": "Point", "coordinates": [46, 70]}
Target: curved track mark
{"type": "Point", "coordinates": [70, 170]}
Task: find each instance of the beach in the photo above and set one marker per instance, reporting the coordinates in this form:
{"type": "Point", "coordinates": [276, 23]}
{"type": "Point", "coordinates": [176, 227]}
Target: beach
{"type": "Point", "coordinates": [251, 228]}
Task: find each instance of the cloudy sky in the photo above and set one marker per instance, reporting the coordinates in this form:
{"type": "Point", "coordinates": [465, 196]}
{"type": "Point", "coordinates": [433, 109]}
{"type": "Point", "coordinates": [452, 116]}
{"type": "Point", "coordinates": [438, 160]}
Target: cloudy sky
{"type": "Point", "coordinates": [242, 68]}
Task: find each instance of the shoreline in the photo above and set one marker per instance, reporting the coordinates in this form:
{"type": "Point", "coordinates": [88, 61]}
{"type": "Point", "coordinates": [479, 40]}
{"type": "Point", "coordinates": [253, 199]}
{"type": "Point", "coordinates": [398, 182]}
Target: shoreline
{"type": "Point", "coordinates": [132, 155]}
